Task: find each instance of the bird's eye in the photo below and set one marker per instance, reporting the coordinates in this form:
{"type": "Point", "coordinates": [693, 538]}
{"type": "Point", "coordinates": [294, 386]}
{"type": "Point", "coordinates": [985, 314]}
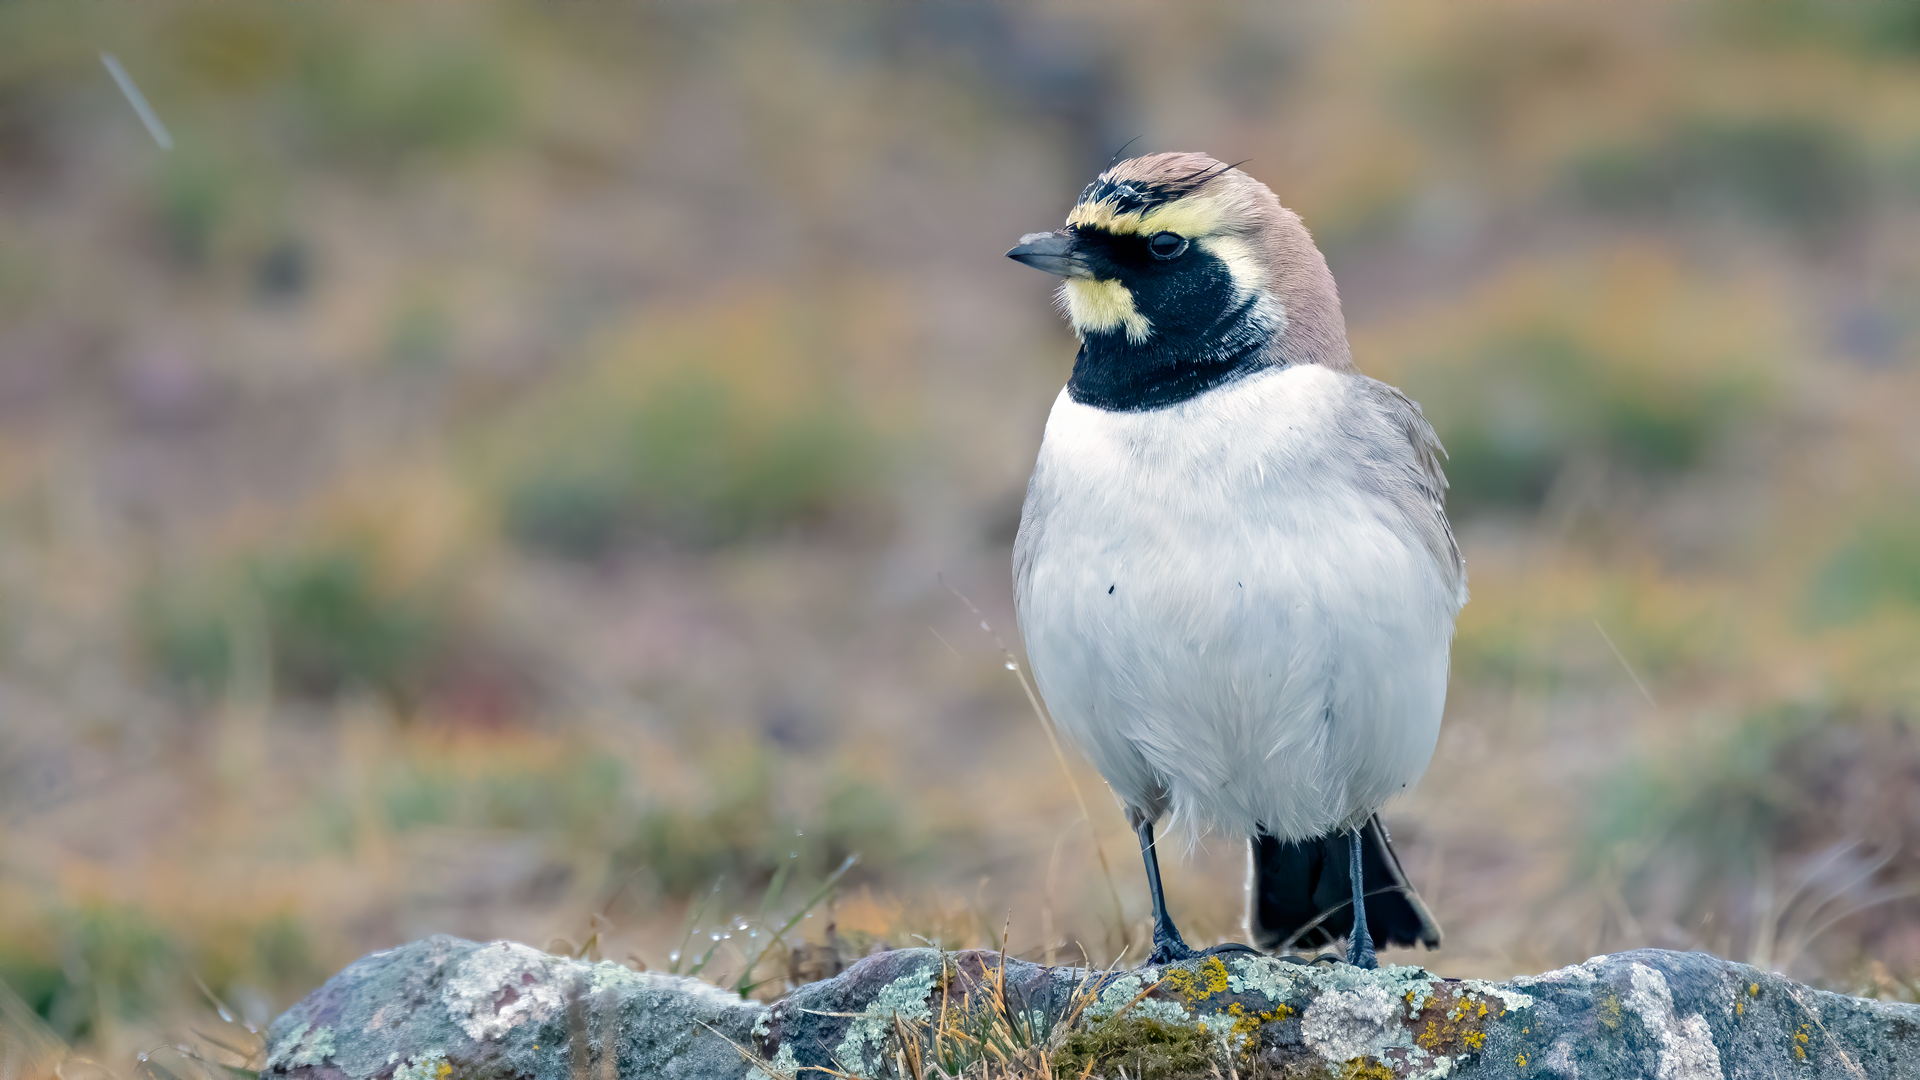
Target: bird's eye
{"type": "Point", "coordinates": [1166, 245]}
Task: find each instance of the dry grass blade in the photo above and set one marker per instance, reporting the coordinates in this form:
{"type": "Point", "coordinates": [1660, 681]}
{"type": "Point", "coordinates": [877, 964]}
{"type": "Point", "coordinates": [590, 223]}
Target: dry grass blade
{"type": "Point", "coordinates": [1053, 740]}
{"type": "Point", "coordinates": [1815, 1017]}
{"type": "Point", "coordinates": [1137, 999]}
{"type": "Point", "coordinates": [1622, 657]}
{"type": "Point", "coordinates": [906, 1053]}
{"type": "Point", "coordinates": [29, 1049]}
{"type": "Point", "coordinates": [152, 1066]}
{"type": "Point", "coordinates": [754, 1059]}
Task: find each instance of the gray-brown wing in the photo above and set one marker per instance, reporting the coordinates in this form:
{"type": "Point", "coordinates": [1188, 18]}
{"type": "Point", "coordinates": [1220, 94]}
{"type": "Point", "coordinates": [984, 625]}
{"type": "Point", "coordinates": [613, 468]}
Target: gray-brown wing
{"type": "Point", "coordinates": [1405, 466]}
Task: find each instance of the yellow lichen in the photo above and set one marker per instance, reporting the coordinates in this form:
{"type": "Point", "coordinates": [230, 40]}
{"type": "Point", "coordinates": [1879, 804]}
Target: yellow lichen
{"type": "Point", "coordinates": [1739, 1008]}
{"type": "Point", "coordinates": [1520, 1060]}
{"type": "Point", "coordinates": [1457, 1029]}
{"type": "Point", "coordinates": [446, 1070]}
{"type": "Point", "coordinates": [1247, 1024]}
{"type": "Point", "coordinates": [1367, 1069]}
{"type": "Point", "coordinates": [1215, 970]}
{"type": "Point", "coordinates": [1193, 984]}
{"type": "Point", "coordinates": [1610, 1011]}
{"type": "Point", "coordinates": [1753, 989]}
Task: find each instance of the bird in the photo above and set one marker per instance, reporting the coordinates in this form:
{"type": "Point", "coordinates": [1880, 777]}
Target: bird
{"type": "Point", "coordinates": [1234, 574]}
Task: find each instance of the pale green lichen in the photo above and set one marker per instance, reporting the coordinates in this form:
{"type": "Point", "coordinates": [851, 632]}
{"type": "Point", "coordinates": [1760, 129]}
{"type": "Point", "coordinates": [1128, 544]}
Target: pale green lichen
{"type": "Point", "coordinates": [433, 1066]}
{"type": "Point", "coordinates": [1416, 983]}
{"type": "Point", "coordinates": [1512, 999]}
{"type": "Point", "coordinates": [1264, 976]}
{"type": "Point", "coordinates": [288, 1043]}
{"type": "Point", "coordinates": [307, 1045]}
{"type": "Point", "coordinates": [1116, 994]}
{"type": "Point", "coordinates": [607, 975]}
{"type": "Point", "coordinates": [1167, 1012]}
{"type": "Point", "coordinates": [905, 997]}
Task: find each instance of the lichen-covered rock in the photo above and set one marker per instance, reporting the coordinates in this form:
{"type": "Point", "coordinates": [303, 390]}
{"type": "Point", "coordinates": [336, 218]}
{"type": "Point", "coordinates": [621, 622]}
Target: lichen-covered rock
{"type": "Point", "coordinates": [442, 1008]}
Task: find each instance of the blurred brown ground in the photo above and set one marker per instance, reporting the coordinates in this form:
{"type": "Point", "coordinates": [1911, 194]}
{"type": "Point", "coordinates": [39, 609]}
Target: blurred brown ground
{"type": "Point", "coordinates": [495, 474]}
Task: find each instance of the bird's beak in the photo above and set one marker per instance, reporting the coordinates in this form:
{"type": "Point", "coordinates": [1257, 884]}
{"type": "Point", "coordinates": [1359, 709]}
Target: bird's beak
{"type": "Point", "coordinates": [1052, 252]}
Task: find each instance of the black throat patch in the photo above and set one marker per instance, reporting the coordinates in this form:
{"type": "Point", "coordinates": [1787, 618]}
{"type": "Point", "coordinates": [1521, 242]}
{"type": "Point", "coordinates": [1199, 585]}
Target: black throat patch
{"type": "Point", "coordinates": [1204, 334]}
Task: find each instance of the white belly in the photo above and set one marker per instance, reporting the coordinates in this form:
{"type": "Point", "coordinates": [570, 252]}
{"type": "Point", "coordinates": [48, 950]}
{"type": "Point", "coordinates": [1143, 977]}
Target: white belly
{"type": "Point", "coordinates": [1226, 620]}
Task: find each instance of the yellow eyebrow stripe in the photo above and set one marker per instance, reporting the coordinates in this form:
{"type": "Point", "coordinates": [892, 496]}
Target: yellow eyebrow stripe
{"type": "Point", "coordinates": [1193, 216]}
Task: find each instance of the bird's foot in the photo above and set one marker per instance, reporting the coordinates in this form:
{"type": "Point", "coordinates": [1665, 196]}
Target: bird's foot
{"type": "Point", "coordinates": [1170, 950]}
{"type": "Point", "coordinates": [1360, 954]}
{"type": "Point", "coordinates": [1162, 957]}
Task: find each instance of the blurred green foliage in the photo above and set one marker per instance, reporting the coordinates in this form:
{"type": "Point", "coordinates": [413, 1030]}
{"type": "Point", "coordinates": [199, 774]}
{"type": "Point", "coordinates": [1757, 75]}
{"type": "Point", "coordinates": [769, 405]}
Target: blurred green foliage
{"type": "Point", "coordinates": [193, 196]}
{"type": "Point", "coordinates": [407, 97]}
{"type": "Point", "coordinates": [1765, 838]}
{"type": "Point", "coordinates": [108, 963]}
{"type": "Point", "coordinates": [740, 836]}
{"type": "Point", "coordinates": [117, 960]}
{"type": "Point", "coordinates": [730, 827]}
{"type": "Point", "coordinates": [1717, 808]}
{"type": "Point", "coordinates": [575, 795]}
{"type": "Point", "coordinates": [1877, 568]}
{"type": "Point", "coordinates": [684, 460]}
{"type": "Point", "coordinates": [1515, 410]}
{"type": "Point", "coordinates": [432, 86]}
{"type": "Point", "coordinates": [328, 621]}
{"type": "Point", "coordinates": [1799, 174]}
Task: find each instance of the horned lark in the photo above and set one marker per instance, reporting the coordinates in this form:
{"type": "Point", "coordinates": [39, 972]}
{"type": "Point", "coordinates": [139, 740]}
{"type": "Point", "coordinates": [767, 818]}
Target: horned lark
{"type": "Point", "coordinates": [1234, 572]}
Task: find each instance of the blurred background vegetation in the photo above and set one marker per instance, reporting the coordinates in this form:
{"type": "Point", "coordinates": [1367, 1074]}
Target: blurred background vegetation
{"type": "Point", "coordinates": [495, 474]}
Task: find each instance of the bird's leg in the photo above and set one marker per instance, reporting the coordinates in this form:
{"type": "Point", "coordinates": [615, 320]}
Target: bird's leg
{"type": "Point", "coordinates": [1359, 943]}
{"type": "Point", "coordinates": [1167, 944]}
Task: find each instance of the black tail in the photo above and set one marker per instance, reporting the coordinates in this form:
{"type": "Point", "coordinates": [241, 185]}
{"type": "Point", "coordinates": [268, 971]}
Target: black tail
{"type": "Point", "coordinates": [1302, 894]}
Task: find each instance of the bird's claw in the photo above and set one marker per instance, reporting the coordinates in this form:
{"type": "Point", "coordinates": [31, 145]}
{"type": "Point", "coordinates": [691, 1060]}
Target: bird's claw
{"type": "Point", "coordinates": [1170, 952]}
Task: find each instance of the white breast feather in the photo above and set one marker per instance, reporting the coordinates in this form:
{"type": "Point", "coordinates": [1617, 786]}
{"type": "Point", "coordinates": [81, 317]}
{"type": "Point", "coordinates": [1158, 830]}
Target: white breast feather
{"type": "Point", "coordinates": [1225, 614]}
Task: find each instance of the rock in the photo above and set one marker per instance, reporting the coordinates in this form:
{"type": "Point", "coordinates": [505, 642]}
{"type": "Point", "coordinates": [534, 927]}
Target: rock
{"type": "Point", "coordinates": [443, 1008]}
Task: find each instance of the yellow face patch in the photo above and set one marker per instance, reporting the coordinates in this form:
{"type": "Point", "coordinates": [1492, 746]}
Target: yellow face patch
{"type": "Point", "coordinates": [1101, 307]}
{"type": "Point", "coordinates": [1193, 217]}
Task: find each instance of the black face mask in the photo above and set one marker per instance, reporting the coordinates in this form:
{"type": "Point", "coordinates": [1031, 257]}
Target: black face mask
{"type": "Point", "coordinates": [1202, 332]}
